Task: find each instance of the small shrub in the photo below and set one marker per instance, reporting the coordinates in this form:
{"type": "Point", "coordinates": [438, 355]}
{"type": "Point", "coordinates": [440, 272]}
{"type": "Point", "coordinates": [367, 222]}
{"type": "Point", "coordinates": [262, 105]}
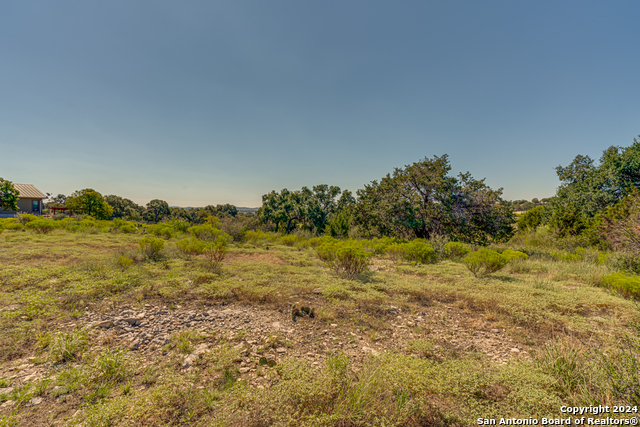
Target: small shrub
{"type": "Point", "coordinates": [161, 230]}
{"type": "Point", "coordinates": [379, 246]}
{"type": "Point", "coordinates": [347, 259]}
{"type": "Point", "coordinates": [484, 261]}
{"type": "Point", "coordinates": [254, 237]}
{"type": "Point", "coordinates": [456, 250]}
{"type": "Point", "coordinates": [215, 251]}
{"type": "Point", "coordinates": [565, 256]}
{"type": "Point", "coordinates": [317, 241]}
{"type": "Point", "coordinates": [191, 247]}
{"type": "Point", "coordinates": [24, 219]}
{"type": "Point", "coordinates": [151, 248]}
{"type": "Point", "coordinates": [123, 262]}
{"type": "Point", "coordinates": [289, 239]}
{"type": "Point", "coordinates": [512, 255]}
{"type": "Point", "coordinates": [625, 261]}
{"type": "Point", "coordinates": [205, 232]}
{"type": "Point", "coordinates": [13, 225]}
{"type": "Point", "coordinates": [42, 225]}
{"type": "Point", "coordinates": [179, 226]}
{"type": "Point", "coordinates": [531, 219]}
{"type": "Point", "coordinates": [420, 251]}
{"type": "Point", "coordinates": [395, 251]}
{"type": "Point", "coordinates": [120, 226]}
{"type": "Point", "coordinates": [416, 250]}
{"type": "Point", "coordinates": [302, 244]}
{"type": "Point", "coordinates": [625, 283]}
{"type": "Point", "coordinates": [438, 242]}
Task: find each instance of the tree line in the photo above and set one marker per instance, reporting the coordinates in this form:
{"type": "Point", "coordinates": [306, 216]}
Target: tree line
{"type": "Point", "coordinates": [597, 203]}
{"type": "Point", "coordinates": [595, 199]}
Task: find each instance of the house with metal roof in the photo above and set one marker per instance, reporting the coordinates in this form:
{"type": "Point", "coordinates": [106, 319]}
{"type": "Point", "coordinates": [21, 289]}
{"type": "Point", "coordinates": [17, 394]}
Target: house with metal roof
{"type": "Point", "coordinates": [29, 201]}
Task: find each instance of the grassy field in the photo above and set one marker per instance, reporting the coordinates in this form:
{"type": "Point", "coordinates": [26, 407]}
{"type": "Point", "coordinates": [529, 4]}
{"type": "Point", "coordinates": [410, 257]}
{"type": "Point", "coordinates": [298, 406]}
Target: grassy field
{"type": "Point", "coordinates": [402, 344]}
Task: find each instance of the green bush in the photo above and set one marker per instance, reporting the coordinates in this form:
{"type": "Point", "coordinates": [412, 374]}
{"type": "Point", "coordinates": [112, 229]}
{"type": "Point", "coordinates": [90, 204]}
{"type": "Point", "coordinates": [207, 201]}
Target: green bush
{"type": "Point", "coordinates": [151, 248]}
{"type": "Point", "coordinates": [161, 230]}
{"type": "Point", "coordinates": [512, 255]}
{"type": "Point", "coordinates": [625, 261]}
{"type": "Point", "coordinates": [347, 258]}
{"type": "Point", "coordinates": [123, 262]}
{"type": "Point", "coordinates": [416, 250]}
{"type": "Point", "coordinates": [24, 219]}
{"type": "Point", "coordinates": [121, 226]}
{"type": "Point", "coordinates": [289, 239]}
{"type": "Point", "coordinates": [419, 251]}
{"type": "Point", "coordinates": [179, 226]}
{"type": "Point", "coordinates": [215, 251]}
{"type": "Point", "coordinates": [395, 251]}
{"type": "Point", "coordinates": [42, 225]}
{"type": "Point", "coordinates": [302, 244]}
{"type": "Point", "coordinates": [13, 226]}
{"type": "Point", "coordinates": [484, 261]}
{"type": "Point", "coordinates": [379, 246]}
{"type": "Point", "coordinates": [623, 282]}
{"type": "Point", "coordinates": [205, 232]}
{"type": "Point", "coordinates": [531, 219]}
{"type": "Point", "coordinates": [191, 246]}
{"type": "Point", "coordinates": [565, 256]}
{"type": "Point", "coordinates": [456, 250]}
{"type": "Point", "coordinates": [254, 237]}
{"type": "Point", "coordinates": [317, 241]}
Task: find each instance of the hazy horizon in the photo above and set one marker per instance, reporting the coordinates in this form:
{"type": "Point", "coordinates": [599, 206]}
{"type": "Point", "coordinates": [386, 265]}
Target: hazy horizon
{"type": "Point", "coordinates": [201, 103]}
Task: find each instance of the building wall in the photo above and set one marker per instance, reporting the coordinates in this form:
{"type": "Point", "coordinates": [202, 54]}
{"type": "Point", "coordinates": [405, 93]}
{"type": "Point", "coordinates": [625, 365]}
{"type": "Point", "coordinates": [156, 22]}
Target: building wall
{"type": "Point", "coordinates": [25, 206]}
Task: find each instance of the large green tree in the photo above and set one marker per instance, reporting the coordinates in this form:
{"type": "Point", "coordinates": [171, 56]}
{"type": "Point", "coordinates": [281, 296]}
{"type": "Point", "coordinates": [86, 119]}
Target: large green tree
{"type": "Point", "coordinates": [423, 200]}
{"type": "Point", "coordinates": [310, 209]}
{"type": "Point", "coordinates": [284, 209]}
{"type": "Point", "coordinates": [90, 202]}
{"type": "Point", "coordinates": [124, 208]}
{"type": "Point", "coordinates": [156, 210]}
{"type": "Point", "coordinates": [8, 196]}
{"type": "Point", "coordinates": [589, 186]}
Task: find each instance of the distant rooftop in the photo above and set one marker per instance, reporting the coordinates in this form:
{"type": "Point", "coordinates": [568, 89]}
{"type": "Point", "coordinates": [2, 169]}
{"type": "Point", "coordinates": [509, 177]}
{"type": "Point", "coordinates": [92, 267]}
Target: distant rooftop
{"type": "Point", "coordinates": [28, 191]}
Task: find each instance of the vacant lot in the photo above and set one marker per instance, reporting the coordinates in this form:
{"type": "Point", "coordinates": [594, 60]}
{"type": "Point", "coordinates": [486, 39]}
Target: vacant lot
{"type": "Point", "coordinates": [89, 339]}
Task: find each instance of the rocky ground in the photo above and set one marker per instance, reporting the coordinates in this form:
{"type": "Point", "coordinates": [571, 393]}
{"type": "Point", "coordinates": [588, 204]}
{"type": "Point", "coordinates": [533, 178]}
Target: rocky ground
{"type": "Point", "coordinates": [270, 334]}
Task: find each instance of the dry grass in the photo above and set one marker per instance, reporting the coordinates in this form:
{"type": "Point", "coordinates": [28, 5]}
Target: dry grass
{"type": "Point", "coordinates": [556, 307]}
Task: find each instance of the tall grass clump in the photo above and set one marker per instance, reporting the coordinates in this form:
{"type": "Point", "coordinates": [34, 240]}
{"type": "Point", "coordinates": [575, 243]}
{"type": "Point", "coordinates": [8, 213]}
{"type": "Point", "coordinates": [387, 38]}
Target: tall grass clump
{"type": "Point", "coordinates": [68, 346]}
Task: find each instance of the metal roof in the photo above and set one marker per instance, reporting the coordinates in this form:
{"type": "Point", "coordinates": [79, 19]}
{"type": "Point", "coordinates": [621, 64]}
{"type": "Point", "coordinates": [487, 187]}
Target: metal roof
{"type": "Point", "coordinates": [28, 191]}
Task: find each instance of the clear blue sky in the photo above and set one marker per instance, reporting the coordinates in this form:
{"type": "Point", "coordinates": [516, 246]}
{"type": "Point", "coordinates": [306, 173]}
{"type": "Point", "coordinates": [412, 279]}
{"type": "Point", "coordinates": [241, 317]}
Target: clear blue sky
{"type": "Point", "coordinates": [202, 102]}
